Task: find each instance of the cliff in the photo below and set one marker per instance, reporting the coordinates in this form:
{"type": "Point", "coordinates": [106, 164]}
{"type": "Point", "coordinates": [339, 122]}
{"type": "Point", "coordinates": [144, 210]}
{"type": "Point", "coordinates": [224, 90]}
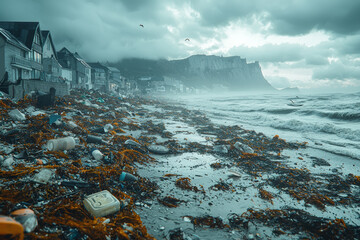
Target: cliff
{"type": "Point", "coordinates": [201, 71]}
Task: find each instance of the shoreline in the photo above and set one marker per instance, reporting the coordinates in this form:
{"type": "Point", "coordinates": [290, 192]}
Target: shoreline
{"type": "Point", "coordinates": [194, 178]}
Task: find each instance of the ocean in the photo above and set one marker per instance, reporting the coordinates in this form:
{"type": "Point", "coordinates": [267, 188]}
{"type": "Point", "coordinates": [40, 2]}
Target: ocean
{"type": "Point", "coordinates": [329, 122]}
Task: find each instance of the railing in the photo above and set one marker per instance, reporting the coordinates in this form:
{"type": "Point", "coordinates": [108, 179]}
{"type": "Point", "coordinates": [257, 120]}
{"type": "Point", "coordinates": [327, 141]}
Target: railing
{"type": "Point", "coordinates": [21, 61]}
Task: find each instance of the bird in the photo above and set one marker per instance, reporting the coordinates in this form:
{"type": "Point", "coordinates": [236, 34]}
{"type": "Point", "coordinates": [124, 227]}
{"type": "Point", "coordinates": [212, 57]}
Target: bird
{"type": "Point", "coordinates": [187, 39]}
{"type": "Point", "coordinates": [141, 25]}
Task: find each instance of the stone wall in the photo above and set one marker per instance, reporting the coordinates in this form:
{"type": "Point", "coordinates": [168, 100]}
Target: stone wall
{"type": "Point", "coordinates": [28, 85]}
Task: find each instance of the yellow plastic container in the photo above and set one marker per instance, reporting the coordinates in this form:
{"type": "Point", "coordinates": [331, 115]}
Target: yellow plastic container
{"type": "Point", "coordinates": [101, 204]}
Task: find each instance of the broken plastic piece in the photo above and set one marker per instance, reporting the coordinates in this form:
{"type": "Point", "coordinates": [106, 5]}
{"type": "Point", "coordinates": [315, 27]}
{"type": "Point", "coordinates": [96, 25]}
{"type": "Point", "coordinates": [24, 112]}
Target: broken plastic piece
{"type": "Point", "coordinates": [101, 204]}
{"type": "Point", "coordinates": [43, 176]}
{"type": "Point", "coordinates": [16, 115]}
{"type": "Point", "coordinates": [10, 229]}
{"type": "Point", "coordinates": [26, 217]}
{"type": "Point", "coordinates": [53, 118]}
{"type": "Point", "coordinates": [127, 177]}
{"type": "Point", "coordinates": [97, 154]}
{"type": "Point", "coordinates": [61, 144]}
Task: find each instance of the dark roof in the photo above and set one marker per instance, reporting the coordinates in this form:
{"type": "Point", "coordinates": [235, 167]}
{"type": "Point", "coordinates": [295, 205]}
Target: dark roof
{"type": "Point", "coordinates": [12, 40]}
{"type": "Point", "coordinates": [64, 51]}
{"type": "Point", "coordinates": [99, 66]}
{"type": "Point", "coordinates": [24, 31]}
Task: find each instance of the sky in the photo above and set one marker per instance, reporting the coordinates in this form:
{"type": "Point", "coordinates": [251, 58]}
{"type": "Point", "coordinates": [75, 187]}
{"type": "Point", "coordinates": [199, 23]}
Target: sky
{"type": "Point", "coordinates": [309, 44]}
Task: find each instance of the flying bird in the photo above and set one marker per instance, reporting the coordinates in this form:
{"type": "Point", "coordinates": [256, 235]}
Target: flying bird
{"type": "Point", "coordinates": [141, 25]}
{"type": "Point", "coordinates": [187, 39]}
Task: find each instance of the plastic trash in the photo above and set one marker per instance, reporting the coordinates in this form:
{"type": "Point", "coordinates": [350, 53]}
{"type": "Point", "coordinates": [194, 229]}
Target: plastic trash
{"type": "Point", "coordinates": [158, 149]}
{"type": "Point", "coordinates": [97, 154]}
{"type": "Point", "coordinates": [43, 176]}
{"type": "Point", "coordinates": [220, 149]}
{"type": "Point", "coordinates": [61, 144]}
{"type": "Point", "coordinates": [101, 204]}
{"type": "Point", "coordinates": [127, 177]}
{"type": "Point", "coordinates": [243, 147]}
{"type": "Point", "coordinates": [132, 143]}
{"type": "Point", "coordinates": [16, 115]}
{"type": "Point", "coordinates": [94, 139]}
{"type": "Point", "coordinates": [26, 217]}
{"type": "Point", "coordinates": [10, 229]}
{"type": "Point", "coordinates": [53, 118]}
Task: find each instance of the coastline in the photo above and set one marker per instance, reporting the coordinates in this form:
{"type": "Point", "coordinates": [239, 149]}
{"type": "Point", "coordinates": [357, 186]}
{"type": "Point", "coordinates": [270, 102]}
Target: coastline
{"type": "Point", "coordinates": [225, 193]}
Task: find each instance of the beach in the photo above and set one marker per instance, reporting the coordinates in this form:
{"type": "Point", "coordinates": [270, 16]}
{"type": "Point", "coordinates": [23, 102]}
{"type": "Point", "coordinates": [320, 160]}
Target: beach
{"type": "Point", "coordinates": [209, 180]}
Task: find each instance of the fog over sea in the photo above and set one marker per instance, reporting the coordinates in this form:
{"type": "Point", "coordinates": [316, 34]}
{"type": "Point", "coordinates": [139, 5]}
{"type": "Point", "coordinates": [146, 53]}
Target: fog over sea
{"type": "Point", "coordinates": [329, 122]}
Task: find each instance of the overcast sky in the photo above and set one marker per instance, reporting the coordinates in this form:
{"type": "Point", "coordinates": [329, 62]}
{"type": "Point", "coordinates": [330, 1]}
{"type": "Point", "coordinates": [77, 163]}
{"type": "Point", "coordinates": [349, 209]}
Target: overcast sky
{"type": "Point", "coordinates": [299, 43]}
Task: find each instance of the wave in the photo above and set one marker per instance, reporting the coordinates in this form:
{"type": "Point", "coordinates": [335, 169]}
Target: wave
{"type": "Point", "coordinates": [328, 128]}
{"type": "Point", "coordinates": [346, 116]}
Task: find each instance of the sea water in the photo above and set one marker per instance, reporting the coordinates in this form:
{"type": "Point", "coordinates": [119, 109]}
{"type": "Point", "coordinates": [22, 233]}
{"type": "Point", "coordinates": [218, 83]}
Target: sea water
{"type": "Point", "coordinates": [330, 122]}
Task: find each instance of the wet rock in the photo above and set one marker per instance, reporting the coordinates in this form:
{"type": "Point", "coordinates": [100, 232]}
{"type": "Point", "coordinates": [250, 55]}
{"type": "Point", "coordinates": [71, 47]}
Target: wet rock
{"type": "Point", "coordinates": [8, 162]}
{"type": "Point", "coordinates": [158, 149]}
{"type": "Point", "coordinates": [221, 149]}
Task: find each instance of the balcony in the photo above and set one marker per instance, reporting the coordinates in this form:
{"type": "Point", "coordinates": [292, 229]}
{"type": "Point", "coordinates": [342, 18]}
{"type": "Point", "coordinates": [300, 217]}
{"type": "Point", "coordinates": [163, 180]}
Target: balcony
{"type": "Point", "coordinates": [28, 64]}
{"type": "Point", "coordinates": [21, 62]}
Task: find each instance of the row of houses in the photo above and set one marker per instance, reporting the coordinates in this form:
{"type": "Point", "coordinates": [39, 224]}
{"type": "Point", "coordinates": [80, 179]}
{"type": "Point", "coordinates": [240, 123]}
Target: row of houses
{"type": "Point", "coordinates": [29, 61]}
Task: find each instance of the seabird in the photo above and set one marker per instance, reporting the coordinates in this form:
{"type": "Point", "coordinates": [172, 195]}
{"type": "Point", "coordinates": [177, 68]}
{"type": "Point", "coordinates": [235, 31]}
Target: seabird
{"type": "Point", "coordinates": [187, 39]}
{"type": "Point", "coordinates": [141, 25]}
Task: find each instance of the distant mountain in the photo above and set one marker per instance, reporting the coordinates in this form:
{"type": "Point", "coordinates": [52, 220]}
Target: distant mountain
{"type": "Point", "coordinates": [201, 71]}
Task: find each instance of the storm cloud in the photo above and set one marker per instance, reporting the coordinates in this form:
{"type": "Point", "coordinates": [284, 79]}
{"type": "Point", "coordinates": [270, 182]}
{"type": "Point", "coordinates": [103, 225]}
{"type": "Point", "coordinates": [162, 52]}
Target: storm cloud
{"type": "Point", "coordinates": [319, 36]}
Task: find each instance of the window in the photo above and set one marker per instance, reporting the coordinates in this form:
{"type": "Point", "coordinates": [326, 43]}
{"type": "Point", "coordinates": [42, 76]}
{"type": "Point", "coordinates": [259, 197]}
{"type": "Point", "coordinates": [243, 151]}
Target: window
{"type": "Point", "coordinates": [37, 39]}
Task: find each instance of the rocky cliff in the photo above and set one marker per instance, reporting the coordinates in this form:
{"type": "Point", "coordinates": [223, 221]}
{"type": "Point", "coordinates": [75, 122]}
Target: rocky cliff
{"type": "Point", "coordinates": [201, 71]}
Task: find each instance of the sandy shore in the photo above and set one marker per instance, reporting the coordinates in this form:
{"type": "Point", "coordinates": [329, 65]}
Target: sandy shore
{"type": "Point", "coordinates": [214, 182]}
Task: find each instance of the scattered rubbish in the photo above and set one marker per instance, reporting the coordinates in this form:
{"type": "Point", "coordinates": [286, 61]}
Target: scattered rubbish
{"type": "Point", "coordinates": [130, 142]}
{"type": "Point", "coordinates": [22, 155]}
{"type": "Point", "coordinates": [94, 139]}
{"type": "Point", "coordinates": [26, 217]}
{"type": "Point", "coordinates": [243, 147]}
{"type": "Point", "coordinates": [66, 143]}
{"type": "Point", "coordinates": [16, 115]}
{"type": "Point", "coordinates": [158, 149]}
{"type": "Point", "coordinates": [220, 149]}
{"type": "Point", "coordinates": [234, 173]}
{"type": "Point", "coordinates": [97, 154]}
{"type": "Point", "coordinates": [101, 204]}
{"type": "Point", "coordinates": [170, 201]}
{"type": "Point", "coordinates": [78, 184]}
{"type": "Point", "coordinates": [43, 176]}
{"type": "Point", "coordinates": [53, 118]}
{"type": "Point", "coordinates": [10, 229]}
{"type": "Point", "coordinates": [127, 177]}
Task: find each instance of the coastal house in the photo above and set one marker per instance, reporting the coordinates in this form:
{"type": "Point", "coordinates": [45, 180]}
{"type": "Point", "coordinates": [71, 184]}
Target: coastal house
{"type": "Point", "coordinates": [29, 34]}
{"type": "Point", "coordinates": [14, 60]}
{"type": "Point", "coordinates": [80, 70]}
{"type": "Point", "coordinates": [116, 81]}
{"type": "Point", "coordinates": [100, 75]}
{"type": "Point", "coordinates": [51, 66]}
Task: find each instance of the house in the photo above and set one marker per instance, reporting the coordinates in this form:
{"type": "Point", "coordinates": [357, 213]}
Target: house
{"type": "Point", "coordinates": [51, 66]}
{"type": "Point", "coordinates": [29, 34]}
{"type": "Point", "coordinates": [14, 60]}
{"type": "Point", "coordinates": [100, 75]}
{"type": "Point", "coordinates": [80, 70]}
{"type": "Point", "coordinates": [116, 81]}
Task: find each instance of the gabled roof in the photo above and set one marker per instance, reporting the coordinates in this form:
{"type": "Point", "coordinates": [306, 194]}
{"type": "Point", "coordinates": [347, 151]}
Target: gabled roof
{"type": "Point", "coordinates": [65, 51]}
{"type": "Point", "coordinates": [99, 66]}
{"type": "Point", "coordinates": [113, 69]}
{"type": "Point", "coordinates": [23, 31]}
{"type": "Point", "coordinates": [12, 40]}
{"type": "Point", "coordinates": [46, 34]}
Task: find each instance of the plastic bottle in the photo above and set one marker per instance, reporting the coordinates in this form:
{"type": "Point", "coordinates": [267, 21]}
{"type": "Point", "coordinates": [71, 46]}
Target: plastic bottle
{"type": "Point", "coordinates": [97, 154]}
{"type": "Point", "coordinates": [94, 139]}
{"type": "Point", "coordinates": [61, 144]}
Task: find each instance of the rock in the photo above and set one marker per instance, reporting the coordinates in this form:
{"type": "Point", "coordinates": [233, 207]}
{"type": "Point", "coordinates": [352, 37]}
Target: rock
{"type": "Point", "coordinates": [16, 115]}
{"type": "Point", "coordinates": [243, 147]}
{"type": "Point", "coordinates": [158, 149]}
{"type": "Point", "coordinates": [132, 143]}
{"type": "Point", "coordinates": [8, 162]}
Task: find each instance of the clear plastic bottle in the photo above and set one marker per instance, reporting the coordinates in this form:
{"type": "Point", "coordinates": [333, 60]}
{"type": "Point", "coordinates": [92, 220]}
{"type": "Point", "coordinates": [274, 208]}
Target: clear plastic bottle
{"type": "Point", "coordinates": [61, 144]}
